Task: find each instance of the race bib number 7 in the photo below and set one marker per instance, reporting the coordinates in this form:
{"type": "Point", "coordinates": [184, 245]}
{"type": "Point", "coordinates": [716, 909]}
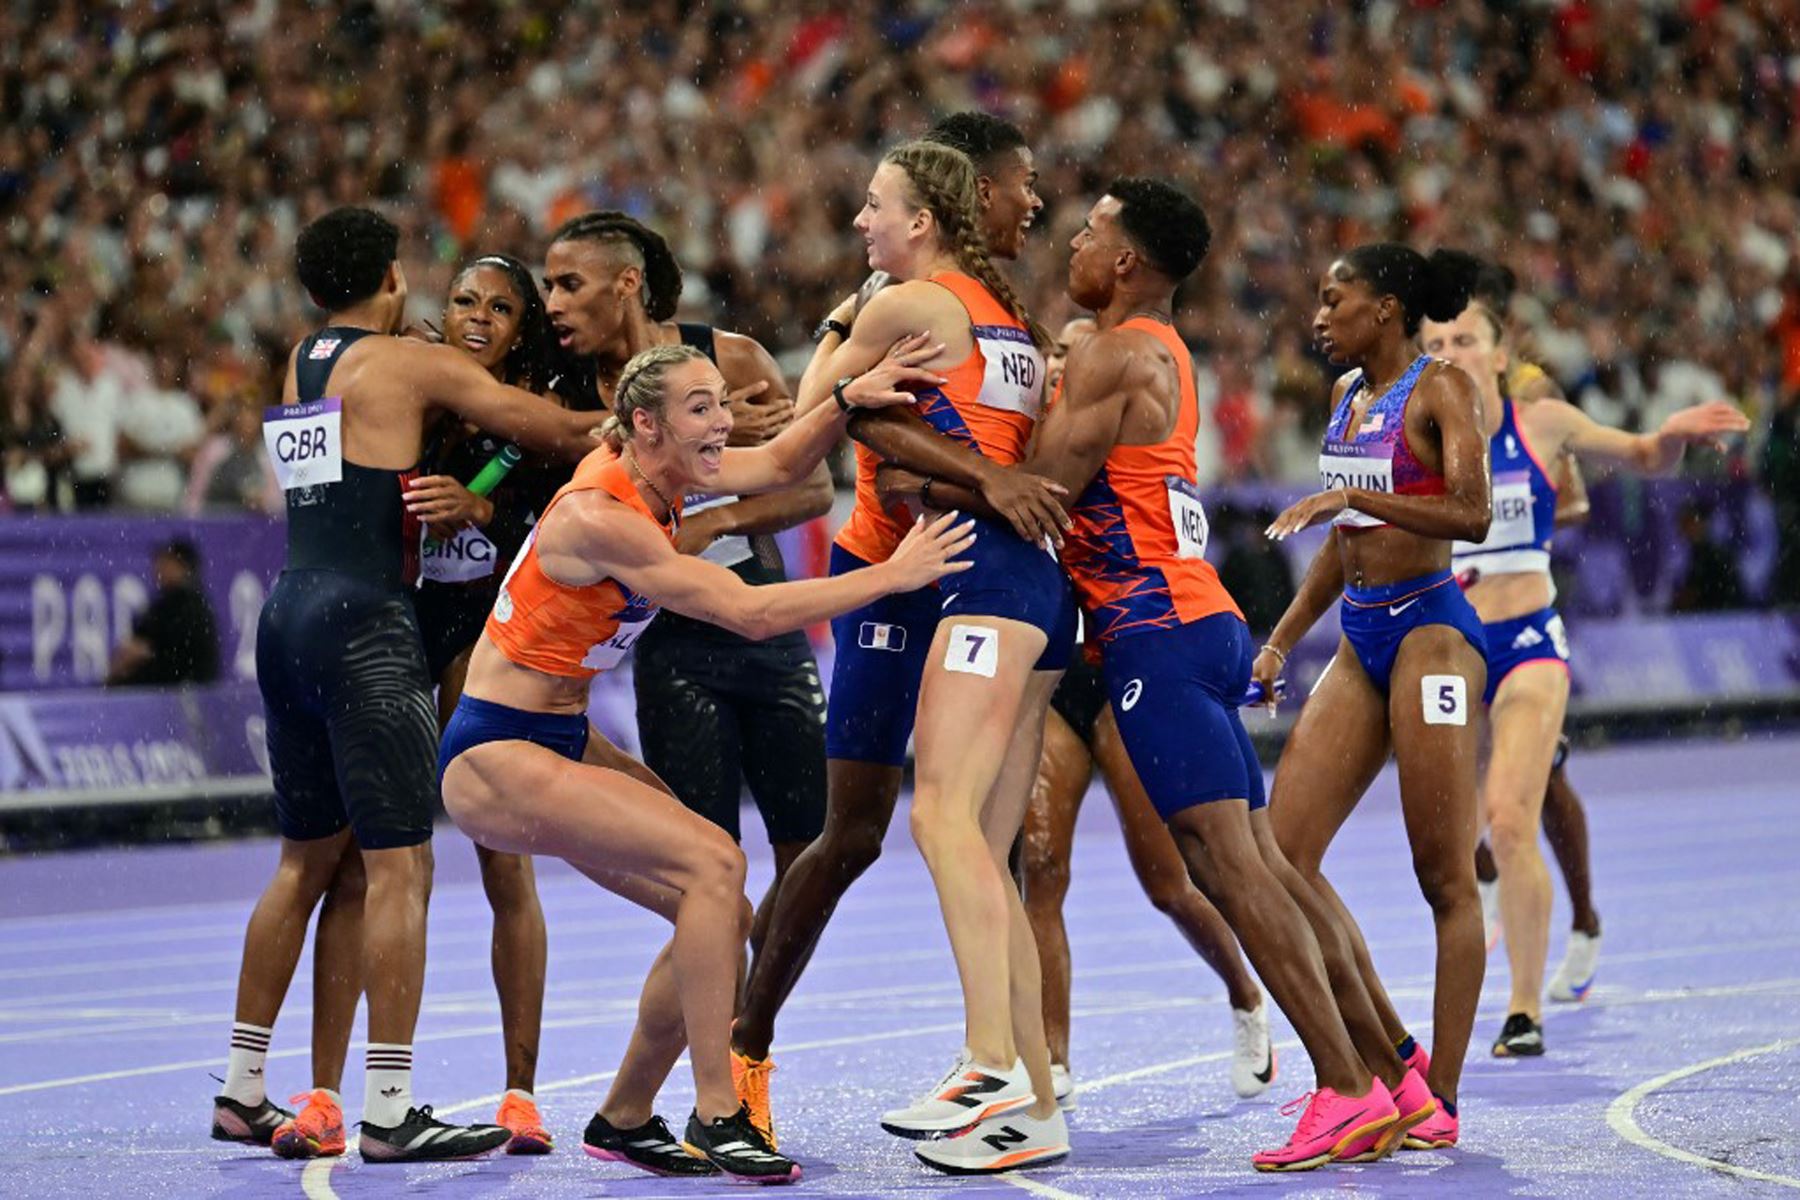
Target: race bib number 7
{"type": "Point", "coordinates": [1189, 517]}
{"type": "Point", "coordinates": [305, 441]}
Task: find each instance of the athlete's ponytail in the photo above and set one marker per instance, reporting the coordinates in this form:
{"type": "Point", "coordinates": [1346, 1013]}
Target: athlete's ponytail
{"type": "Point", "coordinates": [1438, 287]}
{"type": "Point", "coordinates": [642, 388]}
{"type": "Point", "coordinates": [941, 180]}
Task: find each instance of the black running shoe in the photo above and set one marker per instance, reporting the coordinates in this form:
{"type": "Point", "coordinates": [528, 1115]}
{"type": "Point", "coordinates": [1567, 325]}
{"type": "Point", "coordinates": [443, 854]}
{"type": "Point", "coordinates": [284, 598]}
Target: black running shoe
{"type": "Point", "coordinates": [649, 1147]}
{"type": "Point", "coordinates": [424, 1138]}
{"type": "Point", "coordinates": [734, 1145]}
{"type": "Point", "coordinates": [1520, 1037]}
{"type": "Point", "coordinates": [246, 1124]}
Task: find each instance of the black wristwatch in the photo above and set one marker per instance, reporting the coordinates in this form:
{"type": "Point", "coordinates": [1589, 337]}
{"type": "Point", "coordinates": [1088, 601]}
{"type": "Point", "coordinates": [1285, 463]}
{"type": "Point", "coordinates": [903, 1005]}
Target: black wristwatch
{"type": "Point", "coordinates": [837, 393]}
{"type": "Point", "coordinates": [830, 325]}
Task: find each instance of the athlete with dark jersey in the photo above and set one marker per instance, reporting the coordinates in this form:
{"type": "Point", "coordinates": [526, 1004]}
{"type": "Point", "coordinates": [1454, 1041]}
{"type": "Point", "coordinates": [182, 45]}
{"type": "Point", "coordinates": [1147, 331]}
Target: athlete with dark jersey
{"type": "Point", "coordinates": [352, 739]}
{"type": "Point", "coordinates": [881, 650]}
{"type": "Point", "coordinates": [716, 712]}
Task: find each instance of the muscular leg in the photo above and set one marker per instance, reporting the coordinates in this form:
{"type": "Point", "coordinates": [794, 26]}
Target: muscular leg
{"type": "Point", "coordinates": [1337, 748]}
{"type": "Point", "coordinates": [520, 798]}
{"type": "Point", "coordinates": [1565, 827]}
{"type": "Point", "coordinates": [518, 954]}
{"type": "Point", "coordinates": [1526, 716]}
{"type": "Point", "coordinates": [1064, 771]}
{"type": "Point", "coordinates": [337, 971]}
{"type": "Point", "coordinates": [965, 727]}
{"type": "Point", "coordinates": [860, 799]}
{"type": "Point", "coordinates": [1221, 851]}
{"type": "Point", "coordinates": [1001, 819]}
{"type": "Point", "coordinates": [1162, 873]}
{"type": "Point", "coordinates": [393, 962]}
{"type": "Point", "coordinates": [277, 929]}
{"type": "Point", "coordinates": [1438, 800]}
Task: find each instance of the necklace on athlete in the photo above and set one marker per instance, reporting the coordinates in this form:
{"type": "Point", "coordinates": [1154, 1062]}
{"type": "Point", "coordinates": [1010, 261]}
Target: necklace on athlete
{"type": "Point", "coordinates": [632, 462]}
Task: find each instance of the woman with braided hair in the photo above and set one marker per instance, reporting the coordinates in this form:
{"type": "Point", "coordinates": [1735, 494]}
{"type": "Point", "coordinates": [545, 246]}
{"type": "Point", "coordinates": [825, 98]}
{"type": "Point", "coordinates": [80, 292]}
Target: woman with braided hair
{"type": "Point", "coordinates": [1004, 632]}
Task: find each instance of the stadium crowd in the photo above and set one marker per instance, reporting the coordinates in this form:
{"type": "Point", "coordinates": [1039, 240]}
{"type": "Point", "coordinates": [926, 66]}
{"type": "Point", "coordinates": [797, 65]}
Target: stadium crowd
{"type": "Point", "coordinates": [1637, 164]}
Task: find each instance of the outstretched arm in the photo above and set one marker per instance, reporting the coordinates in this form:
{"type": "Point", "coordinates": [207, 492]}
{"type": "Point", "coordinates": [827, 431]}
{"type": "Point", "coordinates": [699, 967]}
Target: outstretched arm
{"type": "Point", "coordinates": [1646, 453]}
{"type": "Point", "coordinates": [610, 540]}
{"type": "Point", "coordinates": [449, 378]}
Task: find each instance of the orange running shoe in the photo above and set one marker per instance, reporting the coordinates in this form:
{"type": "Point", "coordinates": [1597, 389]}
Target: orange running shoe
{"type": "Point", "coordinates": [750, 1079]}
{"type": "Point", "coordinates": [519, 1115]}
{"type": "Point", "coordinates": [316, 1131]}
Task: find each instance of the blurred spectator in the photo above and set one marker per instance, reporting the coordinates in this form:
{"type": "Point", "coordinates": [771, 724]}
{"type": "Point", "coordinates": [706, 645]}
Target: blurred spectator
{"type": "Point", "coordinates": [1253, 569]}
{"type": "Point", "coordinates": [1711, 579]}
{"type": "Point", "coordinates": [231, 471]}
{"type": "Point", "coordinates": [1781, 471]}
{"type": "Point", "coordinates": [176, 639]}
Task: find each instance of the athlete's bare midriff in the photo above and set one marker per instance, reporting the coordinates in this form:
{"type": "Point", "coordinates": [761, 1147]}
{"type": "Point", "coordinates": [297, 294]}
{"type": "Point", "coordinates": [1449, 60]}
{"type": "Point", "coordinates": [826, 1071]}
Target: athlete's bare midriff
{"type": "Point", "coordinates": [1504, 597]}
{"type": "Point", "coordinates": [1383, 555]}
{"type": "Point", "coordinates": [495, 678]}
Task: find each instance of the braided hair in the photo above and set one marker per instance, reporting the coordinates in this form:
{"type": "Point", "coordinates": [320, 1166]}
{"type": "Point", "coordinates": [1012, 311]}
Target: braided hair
{"type": "Point", "coordinates": [941, 180]}
{"type": "Point", "coordinates": [641, 389]}
{"type": "Point", "coordinates": [662, 274]}
{"type": "Point", "coordinates": [527, 363]}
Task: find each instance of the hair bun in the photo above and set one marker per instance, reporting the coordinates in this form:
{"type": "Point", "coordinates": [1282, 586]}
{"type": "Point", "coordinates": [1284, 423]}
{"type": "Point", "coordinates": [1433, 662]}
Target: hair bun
{"type": "Point", "coordinates": [1450, 277]}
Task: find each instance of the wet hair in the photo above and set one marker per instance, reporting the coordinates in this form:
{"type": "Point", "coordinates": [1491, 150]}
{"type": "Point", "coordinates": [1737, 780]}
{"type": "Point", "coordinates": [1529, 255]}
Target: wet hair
{"type": "Point", "coordinates": [941, 180]}
{"type": "Point", "coordinates": [343, 256]}
{"type": "Point", "coordinates": [1166, 225]}
{"type": "Point", "coordinates": [662, 274]}
{"type": "Point", "coordinates": [527, 363]}
{"type": "Point", "coordinates": [981, 136]}
{"type": "Point", "coordinates": [1438, 287]}
{"type": "Point", "coordinates": [1495, 285]}
{"type": "Point", "coordinates": [642, 389]}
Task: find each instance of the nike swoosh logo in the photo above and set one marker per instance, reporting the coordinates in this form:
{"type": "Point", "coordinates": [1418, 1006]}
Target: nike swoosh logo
{"type": "Point", "coordinates": [1395, 610]}
{"type": "Point", "coordinates": [1268, 1071]}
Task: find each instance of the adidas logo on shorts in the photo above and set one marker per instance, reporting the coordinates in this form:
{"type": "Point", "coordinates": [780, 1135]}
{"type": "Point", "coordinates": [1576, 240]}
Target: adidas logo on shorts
{"type": "Point", "coordinates": [1527, 637]}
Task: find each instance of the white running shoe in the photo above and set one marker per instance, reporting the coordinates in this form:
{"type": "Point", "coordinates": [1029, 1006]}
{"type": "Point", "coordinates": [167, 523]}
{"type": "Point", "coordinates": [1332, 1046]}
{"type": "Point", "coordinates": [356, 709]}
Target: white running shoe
{"type": "Point", "coordinates": [1490, 911]}
{"type": "Point", "coordinates": [1063, 1084]}
{"type": "Point", "coordinates": [1576, 974]}
{"type": "Point", "coordinates": [968, 1095]}
{"type": "Point", "coordinates": [1014, 1141]}
{"type": "Point", "coordinates": [1253, 1054]}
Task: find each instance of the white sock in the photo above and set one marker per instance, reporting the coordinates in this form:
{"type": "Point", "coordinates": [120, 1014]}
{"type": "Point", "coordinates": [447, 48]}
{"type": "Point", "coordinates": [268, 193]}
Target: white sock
{"type": "Point", "coordinates": [244, 1065]}
{"type": "Point", "coordinates": [387, 1083]}
{"type": "Point", "coordinates": [522, 1094]}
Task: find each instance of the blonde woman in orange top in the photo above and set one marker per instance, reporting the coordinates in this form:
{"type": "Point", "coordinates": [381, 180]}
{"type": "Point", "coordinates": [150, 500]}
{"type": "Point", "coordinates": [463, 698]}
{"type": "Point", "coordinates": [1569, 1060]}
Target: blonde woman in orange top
{"type": "Point", "coordinates": [523, 772]}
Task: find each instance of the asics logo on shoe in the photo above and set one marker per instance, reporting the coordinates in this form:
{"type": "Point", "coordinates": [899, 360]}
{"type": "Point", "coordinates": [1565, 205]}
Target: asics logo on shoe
{"type": "Point", "coordinates": [1395, 610]}
{"type": "Point", "coordinates": [391, 1092]}
{"type": "Point", "coordinates": [1004, 1137]}
{"type": "Point", "coordinates": [976, 1086]}
{"type": "Point", "coordinates": [1133, 690]}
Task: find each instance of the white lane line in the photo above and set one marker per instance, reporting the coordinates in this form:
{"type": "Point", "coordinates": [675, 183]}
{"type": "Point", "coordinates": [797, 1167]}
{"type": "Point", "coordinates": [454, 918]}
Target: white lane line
{"type": "Point", "coordinates": [1621, 1114]}
{"type": "Point", "coordinates": [1028, 1184]}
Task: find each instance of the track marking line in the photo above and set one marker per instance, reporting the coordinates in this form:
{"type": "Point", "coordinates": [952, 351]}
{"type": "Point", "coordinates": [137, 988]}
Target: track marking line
{"type": "Point", "coordinates": [1621, 1114]}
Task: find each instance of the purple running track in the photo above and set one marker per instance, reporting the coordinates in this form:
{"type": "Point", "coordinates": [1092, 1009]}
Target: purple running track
{"type": "Point", "coordinates": [117, 971]}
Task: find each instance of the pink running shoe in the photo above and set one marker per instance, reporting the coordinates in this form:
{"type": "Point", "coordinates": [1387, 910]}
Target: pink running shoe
{"type": "Point", "coordinates": [1330, 1123]}
{"type": "Point", "coordinates": [1418, 1060]}
{"type": "Point", "coordinates": [1415, 1102]}
{"type": "Point", "coordinates": [1436, 1132]}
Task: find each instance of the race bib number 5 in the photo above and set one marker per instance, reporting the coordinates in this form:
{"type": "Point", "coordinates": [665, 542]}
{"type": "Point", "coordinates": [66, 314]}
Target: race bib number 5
{"type": "Point", "coordinates": [1445, 699]}
{"type": "Point", "coordinates": [306, 442]}
{"type": "Point", "coordinates": [1189, 516]}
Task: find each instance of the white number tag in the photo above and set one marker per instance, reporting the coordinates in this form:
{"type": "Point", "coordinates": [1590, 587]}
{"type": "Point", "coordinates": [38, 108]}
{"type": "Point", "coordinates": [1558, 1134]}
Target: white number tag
{"type": "Point", "coordinates": [1014, 378]}
{"type": "Point", "coordinates": [973, 650]}
{"type": "Point", "coordinates": [1559, 636]}
{"type": "Point", "coordinates": [1189, 516]}
{"type": "Point", "coordinates": [1445, 699]}
{"type": "Point", "coordinates": [468, 556]}
{"type": "Point", "coordinates": [306, 443]}
{"type": "Point", "coordinates": [1343, 465]}
{"type": "Point", "coordinates": [1512, 524]}
{"type": "Point", "coordinates": [604, 656]}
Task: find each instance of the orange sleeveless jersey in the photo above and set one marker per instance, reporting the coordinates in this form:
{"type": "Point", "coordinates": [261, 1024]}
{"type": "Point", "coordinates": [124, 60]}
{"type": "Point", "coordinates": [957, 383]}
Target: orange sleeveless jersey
{"type": "Point", "coordinates": [576, 632]}
{"type": "Point", "coordinates": [990, 403]}
{"type": "Point", "coordinates": [1136, 552]}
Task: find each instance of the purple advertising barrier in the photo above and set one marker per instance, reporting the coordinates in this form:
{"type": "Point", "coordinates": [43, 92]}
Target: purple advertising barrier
{"type": "Point", "coordinates": [84, 746]}
{"type": "Point", "coordinates": [1649, 661]}
{"type": "Point", "coordinates": [70, 588]}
